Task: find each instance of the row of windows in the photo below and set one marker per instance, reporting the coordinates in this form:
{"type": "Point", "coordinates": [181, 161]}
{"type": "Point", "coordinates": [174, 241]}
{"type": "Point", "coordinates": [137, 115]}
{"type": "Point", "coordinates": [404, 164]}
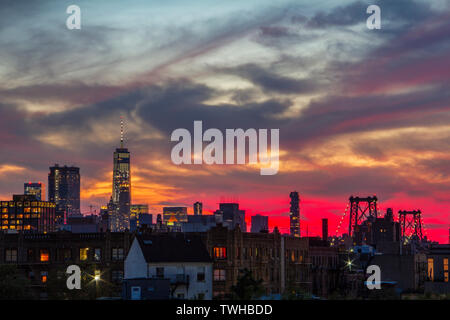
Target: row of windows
{"type": "Point", "coordinates": [64, 254]}
{"type": "Point", "coordinates": [293, 255]}
{"type": "Point", "coordinates": [41, 204]}
{"type": "Point", "coordinates": [5, 211]}
{"type": "Point", "coordinates": [19, 227]}
{"type": "Point", "coordinates": [180, 273]}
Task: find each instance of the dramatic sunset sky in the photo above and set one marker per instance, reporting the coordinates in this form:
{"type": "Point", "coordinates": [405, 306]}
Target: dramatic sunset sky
{"type": "Point", "coordinates": [360, 111]}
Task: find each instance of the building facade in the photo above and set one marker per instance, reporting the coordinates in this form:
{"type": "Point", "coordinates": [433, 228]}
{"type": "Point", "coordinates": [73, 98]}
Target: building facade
{"type": "Point", "coordinates": [121, 192]}
{"type": "Point", "coordinates": [260, 223]}
{"type": "Point", "coordinates": [26, 213]}
{"type": "Point", "coordinates": [44, 258]}
{"type": "Point", "coordinates": [198, 208]}
{"type": "Point", "coordinates": [34, 189]}
{"type": "Point", "coordinates": [64, 188]}
{"type": "Point", "coordinates": [437, 269]}
{"type": "Point", "coordinates": [139, 216]}
{"type": "Point", "coordinates": [231, 216]}
{"type": "Point", "coordinates": [294, 214]}
{"type": "Point", "coordinates": [173, 217]}
{"type": "Point", "coordinates": [281, 262]}
{"type": "Point", "coordinates": [181, 259]}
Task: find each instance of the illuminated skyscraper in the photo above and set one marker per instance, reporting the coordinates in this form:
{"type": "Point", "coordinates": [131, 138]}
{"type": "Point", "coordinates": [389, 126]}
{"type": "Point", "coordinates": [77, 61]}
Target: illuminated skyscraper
{"type": "Point", "coordinates": [294, 214]}
{"type": "Point", "coordinates": [139, 216]}
{"type": "Point", "coordinates": [64, 189]}
{"type": "Point", "coordinates": [198, 208]}
{"type": "Point", "coordinates": [121, 193]}
{"type": "Point", "coordinates": [34, 189]}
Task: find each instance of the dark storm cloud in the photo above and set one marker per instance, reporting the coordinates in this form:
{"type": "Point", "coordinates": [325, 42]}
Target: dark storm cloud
{"type": "Point", "coordinates": [180, 103]}
{"type": "Point", "coordinates": [273, 82]}
{"type": "Point", "coordinates": [177, 104]}
{"type": "Point", "coordinates": [341, 114]}
{"type": "Point", "coordinates": [77, 93]}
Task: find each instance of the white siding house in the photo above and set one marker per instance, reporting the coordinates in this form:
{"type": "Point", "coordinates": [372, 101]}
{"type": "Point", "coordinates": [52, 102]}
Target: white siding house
{"type": "Point", "coordinates": [180, 258]}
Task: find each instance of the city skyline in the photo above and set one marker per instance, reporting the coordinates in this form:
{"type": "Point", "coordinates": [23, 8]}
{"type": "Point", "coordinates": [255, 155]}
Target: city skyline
{"type": "Point", "coordinates": [360, 111]}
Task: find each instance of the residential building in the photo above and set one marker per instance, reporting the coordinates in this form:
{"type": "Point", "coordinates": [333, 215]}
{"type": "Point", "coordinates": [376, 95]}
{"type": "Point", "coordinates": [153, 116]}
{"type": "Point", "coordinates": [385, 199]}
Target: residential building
{"type": "Point", "coordinates": [181, 258]}
{"type": "Point", "coordinates": [35, 189]}
{"type": "Point", "coordinates": [438, 258]}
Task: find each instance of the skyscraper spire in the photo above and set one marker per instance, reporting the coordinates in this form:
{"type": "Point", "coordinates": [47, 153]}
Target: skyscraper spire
{"type": "Point", "coordinates": [121, 132]}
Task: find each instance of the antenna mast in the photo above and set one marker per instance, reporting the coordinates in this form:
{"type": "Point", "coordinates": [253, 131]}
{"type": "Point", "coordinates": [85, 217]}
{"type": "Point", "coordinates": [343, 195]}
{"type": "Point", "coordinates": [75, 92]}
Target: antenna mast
{"type": "Point", "coordinates": [121, 132]}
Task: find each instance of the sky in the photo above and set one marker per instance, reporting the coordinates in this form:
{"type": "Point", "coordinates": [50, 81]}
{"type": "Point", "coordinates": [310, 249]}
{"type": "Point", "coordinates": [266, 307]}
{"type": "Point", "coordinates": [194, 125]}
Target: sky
{"type": "Point", "coordinates": [360, 111]}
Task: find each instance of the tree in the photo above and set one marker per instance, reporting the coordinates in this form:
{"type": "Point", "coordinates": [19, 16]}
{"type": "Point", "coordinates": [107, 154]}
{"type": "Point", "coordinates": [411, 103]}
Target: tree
{"type": "Point", "coordinates": [14, 285]}
{"type": "Point", "coordinates": [247, 287]}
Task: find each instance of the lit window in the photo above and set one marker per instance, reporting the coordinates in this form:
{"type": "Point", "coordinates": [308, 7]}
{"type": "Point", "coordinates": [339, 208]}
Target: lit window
{"type": "Point", "coordinates": [44, 255]}
{"type": "Point", "coordinates": [446, 269]}
{"type": "Point", "coordinates": [84, 254]}
{"type": "Point", "coordinates": [219, 275]}
{"type": "Point", "coordinates": [220, 252]}
{"type": "Point", "coordinates": [44, 275]}
{"type": "Point", "coordinates": [430, 269]}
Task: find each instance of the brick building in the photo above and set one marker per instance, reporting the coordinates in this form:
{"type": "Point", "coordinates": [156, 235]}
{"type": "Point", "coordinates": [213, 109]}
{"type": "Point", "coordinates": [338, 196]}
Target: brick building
{"type": "Point", "coordinates": [45, 257]}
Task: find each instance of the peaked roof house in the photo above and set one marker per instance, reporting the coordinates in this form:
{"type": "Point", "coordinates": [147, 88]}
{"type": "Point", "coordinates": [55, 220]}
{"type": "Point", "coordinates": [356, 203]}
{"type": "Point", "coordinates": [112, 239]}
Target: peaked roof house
{"type": "Point", "coordinates": [178, 262]}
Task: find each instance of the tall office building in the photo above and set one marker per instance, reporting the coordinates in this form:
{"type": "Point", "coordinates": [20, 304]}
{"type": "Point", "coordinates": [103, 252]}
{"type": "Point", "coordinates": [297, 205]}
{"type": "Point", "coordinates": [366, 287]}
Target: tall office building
{"type": "Point", "coordinates": [34, 189]}
{"type": "Point", "coordinates": [198, 208]}
{"type": "Point", "coordinates": [294, 214]}
{"type": "Point", "coordinates": [64, 188]}
{"type": "Point", "coordinates": [260, 223]}
{"type": "Point", "coordinates": [139, 216]}
{"type": "Point", "coordinates": [325, 229]}
{"type": "Point", "coordinates": [230, 216]}
{"type": "Point", "coordinates": [121, 193]}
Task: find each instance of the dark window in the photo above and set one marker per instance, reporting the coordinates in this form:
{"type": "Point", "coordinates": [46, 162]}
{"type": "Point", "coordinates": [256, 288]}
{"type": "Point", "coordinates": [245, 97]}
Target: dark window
{"type": "Point", "coordinates": [160, 272]}
{"type": "Point", "coordinates": [117, 276]}
{"type": "Point", "coordinates": [201, 274]}
{"type": "Point", "coordinates": [11, 255]}
{"type": "Point", "coordinates": [30, 255]}
{"type": "Point", "coordinates": [117, 253]}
